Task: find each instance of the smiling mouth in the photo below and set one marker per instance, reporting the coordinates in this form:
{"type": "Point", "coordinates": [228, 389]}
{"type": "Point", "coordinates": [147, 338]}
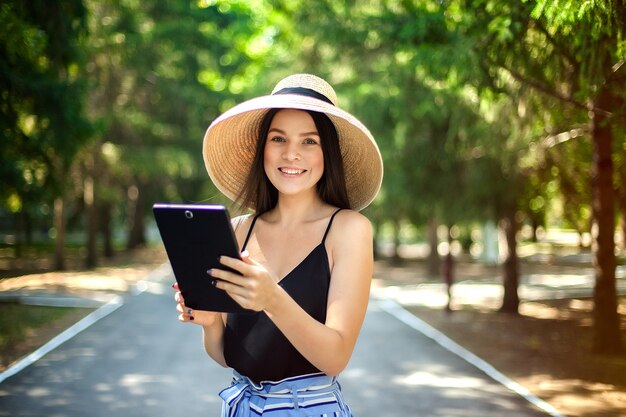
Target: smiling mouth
{"type": "Point", "coordinates": [291, 171]}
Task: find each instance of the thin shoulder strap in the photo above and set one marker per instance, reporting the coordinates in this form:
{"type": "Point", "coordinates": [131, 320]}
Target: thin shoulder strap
{"type": "Point", "coordinates": [330, 222]}
{"type": "Point", "coordinates": [245, 242]}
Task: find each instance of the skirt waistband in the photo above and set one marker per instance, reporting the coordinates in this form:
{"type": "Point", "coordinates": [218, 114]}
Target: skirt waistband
{"type": "Point", "coordinates": [245, 397]}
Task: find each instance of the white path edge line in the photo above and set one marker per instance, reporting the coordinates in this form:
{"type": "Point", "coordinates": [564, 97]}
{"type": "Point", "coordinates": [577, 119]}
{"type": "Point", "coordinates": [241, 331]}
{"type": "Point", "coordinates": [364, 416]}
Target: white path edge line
{"type": "Point", "coordinates": [444, 341]}
{"type": "Point", "coordinates": [115, 303]}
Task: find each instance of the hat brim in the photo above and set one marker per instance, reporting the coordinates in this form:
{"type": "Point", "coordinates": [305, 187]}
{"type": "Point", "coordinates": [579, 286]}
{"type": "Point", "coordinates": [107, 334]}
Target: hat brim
{"type": "Point", "coordinates": [230, 144]}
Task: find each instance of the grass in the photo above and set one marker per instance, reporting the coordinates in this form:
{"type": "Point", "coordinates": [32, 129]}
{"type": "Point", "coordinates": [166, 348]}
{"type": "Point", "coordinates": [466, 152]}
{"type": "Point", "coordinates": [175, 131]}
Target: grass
{"type": "Point", "coordinates": [22, 327]}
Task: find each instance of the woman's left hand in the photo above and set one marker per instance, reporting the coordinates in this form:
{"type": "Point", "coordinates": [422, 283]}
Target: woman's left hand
{"type": "Point", "coordinates": [254, 289]}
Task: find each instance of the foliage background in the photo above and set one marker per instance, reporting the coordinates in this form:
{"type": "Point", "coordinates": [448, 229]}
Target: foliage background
{"type": "Point", "coordinates": [499, 111]}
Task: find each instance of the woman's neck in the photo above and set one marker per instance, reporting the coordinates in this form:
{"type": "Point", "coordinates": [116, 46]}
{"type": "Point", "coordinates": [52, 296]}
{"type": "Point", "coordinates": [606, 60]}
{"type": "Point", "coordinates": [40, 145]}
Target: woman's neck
{"type": "Point", "coordinates": [296, 209]}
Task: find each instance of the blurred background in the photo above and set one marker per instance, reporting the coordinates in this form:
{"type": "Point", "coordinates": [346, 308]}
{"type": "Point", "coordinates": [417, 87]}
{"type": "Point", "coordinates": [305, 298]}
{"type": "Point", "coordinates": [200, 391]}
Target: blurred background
{"type": "Point", "coordinates": [501, 123]}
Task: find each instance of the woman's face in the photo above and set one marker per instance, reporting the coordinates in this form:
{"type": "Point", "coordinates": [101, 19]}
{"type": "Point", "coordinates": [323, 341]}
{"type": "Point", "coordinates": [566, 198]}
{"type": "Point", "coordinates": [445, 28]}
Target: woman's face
{"type": "Point", "coordinates": [293, 158]}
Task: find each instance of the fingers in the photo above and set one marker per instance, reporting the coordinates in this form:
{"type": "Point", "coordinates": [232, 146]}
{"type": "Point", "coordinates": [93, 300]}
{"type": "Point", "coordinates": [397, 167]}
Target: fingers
{"type": "Point", "coordinates": [178, 296]}
{"type": "Point", "coordinates": [248, 287]}
{"type": "Point", "coordinates": [252, 288]}
{"type": "Point", "coordinates": [185, 318]}
{"type": "Point", "coordinates": [186, 313]}
{"type": "Point", "coordinates": [246, 266]}
{"type": "Point", "coordinates": [221, 276]}
{"type": "Point", "coordinates": [238, 279]}
{"type": "Point", "coordinates": [233, 288]}
{"type": "Point", "coordinates": [245, 257]}
{"type": "Point", "coordinates": [237, 264]}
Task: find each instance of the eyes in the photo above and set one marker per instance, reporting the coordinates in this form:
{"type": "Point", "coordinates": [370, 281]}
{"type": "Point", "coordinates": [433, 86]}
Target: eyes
{"type": "Point", "coordinates": [282, 139]}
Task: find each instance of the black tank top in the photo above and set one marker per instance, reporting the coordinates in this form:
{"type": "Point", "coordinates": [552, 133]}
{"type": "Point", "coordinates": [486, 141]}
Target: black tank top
{"type": "Point", "coordinates": [255, 347]}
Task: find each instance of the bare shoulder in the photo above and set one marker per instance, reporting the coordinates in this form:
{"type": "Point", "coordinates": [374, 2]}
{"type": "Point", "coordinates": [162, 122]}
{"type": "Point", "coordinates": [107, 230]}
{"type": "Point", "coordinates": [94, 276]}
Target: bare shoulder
{"type": "Point", "coordinates": [350, 226]}
{"type": "Point", "coordinates": [352, 219]}
{"type": "Point", "coordinates": [350, 245]}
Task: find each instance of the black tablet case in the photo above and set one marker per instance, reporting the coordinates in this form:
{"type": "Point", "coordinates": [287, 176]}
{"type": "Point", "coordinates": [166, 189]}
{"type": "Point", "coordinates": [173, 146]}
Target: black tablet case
{"type": "Point", "coordinates": [195, 236]}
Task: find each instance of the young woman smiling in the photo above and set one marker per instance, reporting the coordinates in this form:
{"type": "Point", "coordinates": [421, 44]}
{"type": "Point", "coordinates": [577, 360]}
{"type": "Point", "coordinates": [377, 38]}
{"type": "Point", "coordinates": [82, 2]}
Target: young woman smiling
{"type": "Point", "coordinates": [304, 168]}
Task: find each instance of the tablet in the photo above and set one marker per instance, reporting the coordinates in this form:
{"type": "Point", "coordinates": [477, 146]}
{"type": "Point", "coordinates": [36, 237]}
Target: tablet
{"type": "Point", "coordinates": [195, 236]}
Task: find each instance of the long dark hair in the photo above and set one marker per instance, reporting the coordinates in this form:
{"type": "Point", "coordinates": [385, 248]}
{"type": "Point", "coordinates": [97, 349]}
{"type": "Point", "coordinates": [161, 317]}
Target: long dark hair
{"type": "Point", "coordinates": [259, 193]}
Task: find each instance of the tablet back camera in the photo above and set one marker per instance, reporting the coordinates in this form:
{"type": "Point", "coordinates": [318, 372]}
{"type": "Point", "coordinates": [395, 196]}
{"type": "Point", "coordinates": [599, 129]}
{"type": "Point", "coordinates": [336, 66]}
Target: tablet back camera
{"type": "Point", "coordinates": [189, 214]}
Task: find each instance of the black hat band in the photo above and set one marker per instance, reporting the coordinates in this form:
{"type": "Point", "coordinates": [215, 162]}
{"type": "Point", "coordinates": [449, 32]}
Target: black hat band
{"type": "Point", "coordinates": [302, 91]}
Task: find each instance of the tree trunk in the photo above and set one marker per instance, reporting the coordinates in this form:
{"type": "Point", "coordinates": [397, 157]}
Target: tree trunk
{"type": "Point", "coordinates": [105, 228]}
{"type": "Point", "coordinates": [434, 262]}
{"type": "Point", "coordinates": [136, 235]}
{"type": "Point", "coordinates": [621, 198]}
{"type": "Point", "coordinates": [395, 258]}
{"type": "Point", "coordinates": [448, 269]}
{"type": "Point", "coordinates": [91, 260]}
{"type": "Point", "coordinates": [59, 227]}
{"type": "Point", "coordinates": [535, 226]}
{"type": "Point", "coordinates": [17, 243]}
{"type": "Point", "coordinates": [28, 227]}
{"type": "Point", "coordinates": [606, 331]}
{"type": "Point", "coordinates": [510, 300]}
{"type": "Point", "coordinates": [623, 226]}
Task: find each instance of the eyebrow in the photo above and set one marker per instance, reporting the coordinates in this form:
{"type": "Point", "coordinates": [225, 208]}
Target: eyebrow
{"type": "Point", "coordinates": [282, 132]}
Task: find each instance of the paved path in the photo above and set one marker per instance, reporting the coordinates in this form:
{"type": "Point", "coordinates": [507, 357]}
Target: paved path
{"type": "Point", "coordinates": [139, 361]}
{"type": "Point", "coordinates": [397, 371]}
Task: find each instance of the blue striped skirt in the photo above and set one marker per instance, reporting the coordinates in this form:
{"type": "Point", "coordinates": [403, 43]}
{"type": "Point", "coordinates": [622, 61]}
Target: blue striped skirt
{"type": "Point", "coordinates": [306, 395]}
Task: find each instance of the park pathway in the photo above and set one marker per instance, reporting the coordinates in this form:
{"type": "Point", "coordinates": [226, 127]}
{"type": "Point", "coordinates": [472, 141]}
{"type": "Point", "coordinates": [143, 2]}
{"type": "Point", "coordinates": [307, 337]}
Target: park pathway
{"type": "Point", "coordinates": [139, 361]}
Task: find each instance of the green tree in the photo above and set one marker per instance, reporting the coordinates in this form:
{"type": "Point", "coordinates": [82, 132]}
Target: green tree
{"type": "Point", "coordinates": [392, 61]}
{"type": "Point", "coordinates": [42, 117]}
{"type": "Point", "coordinates": [160, 73]}
{"type": "Point", "coordinates": [573, 53]}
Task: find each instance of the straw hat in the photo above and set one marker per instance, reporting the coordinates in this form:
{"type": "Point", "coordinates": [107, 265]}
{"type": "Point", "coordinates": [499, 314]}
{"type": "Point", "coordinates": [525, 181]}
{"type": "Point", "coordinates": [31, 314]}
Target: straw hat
{"type": "Point", "coordinates": [230, 141]}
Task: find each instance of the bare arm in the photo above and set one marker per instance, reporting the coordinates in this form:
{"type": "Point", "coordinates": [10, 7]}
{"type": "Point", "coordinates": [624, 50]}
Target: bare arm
{"type": "Point", "coordinates": [212, 323]}
{"type": "Point", "coordinates": [213, 339]}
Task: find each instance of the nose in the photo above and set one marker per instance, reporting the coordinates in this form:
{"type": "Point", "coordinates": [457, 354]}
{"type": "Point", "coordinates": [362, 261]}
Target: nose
{"type": "Point", "coordinates": [291, 153]}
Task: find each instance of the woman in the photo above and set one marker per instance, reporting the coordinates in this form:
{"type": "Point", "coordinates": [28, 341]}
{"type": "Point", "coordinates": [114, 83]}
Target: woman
{"type": "Point", "coordinates": [302, 165]}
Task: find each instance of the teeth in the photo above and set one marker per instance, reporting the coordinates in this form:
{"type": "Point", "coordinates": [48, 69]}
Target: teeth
{"type": "Point", "coordinates": [291, 171]}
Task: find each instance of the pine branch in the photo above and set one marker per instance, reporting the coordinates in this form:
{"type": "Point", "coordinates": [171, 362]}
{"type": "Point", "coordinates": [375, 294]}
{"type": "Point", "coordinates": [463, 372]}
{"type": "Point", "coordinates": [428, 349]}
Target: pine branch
{"type": "Point", "coordinates": [553, 93]}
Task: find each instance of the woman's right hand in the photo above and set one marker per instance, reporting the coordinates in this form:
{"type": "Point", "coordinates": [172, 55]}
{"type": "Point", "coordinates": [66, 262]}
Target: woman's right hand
{"type": "Point", "coordinates": [187, 314]}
